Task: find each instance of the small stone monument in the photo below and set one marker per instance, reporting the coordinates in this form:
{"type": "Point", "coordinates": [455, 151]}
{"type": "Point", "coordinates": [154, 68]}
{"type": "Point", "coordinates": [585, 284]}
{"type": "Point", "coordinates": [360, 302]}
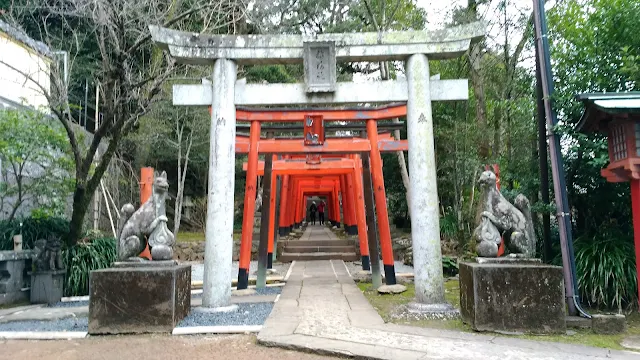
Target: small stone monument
{"type": "Point", "coordinates": [137, 295]}
{"type": "Point", "coordinates": [516, 293]}
{"type": "Point", "coordinates": [13, 282]}
{"type": "Point", "coordinates": [47, 277]}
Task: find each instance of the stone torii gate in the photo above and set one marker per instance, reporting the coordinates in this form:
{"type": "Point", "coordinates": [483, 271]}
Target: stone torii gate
{"type": "Point", "coordinates": [319, 54]}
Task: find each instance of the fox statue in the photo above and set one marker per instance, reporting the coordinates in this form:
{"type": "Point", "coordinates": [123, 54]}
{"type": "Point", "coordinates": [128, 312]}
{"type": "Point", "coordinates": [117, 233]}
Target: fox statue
{"type": "Point", "coordinates": [149, 221]}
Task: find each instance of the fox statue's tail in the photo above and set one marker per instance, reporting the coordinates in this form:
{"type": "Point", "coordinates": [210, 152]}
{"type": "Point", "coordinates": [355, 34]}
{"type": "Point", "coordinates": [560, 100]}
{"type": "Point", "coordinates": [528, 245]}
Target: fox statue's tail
{"type": "Point", "coordinates": [522, 203]}
{"type": "Point", "coordinates": [125, 213]}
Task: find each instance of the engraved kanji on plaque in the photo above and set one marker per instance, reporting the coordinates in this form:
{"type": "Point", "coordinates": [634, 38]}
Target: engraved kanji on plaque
{"type": "Point", "coordinates": [313, 130]}
{"type": "Point", "coordinates": [320, 66]}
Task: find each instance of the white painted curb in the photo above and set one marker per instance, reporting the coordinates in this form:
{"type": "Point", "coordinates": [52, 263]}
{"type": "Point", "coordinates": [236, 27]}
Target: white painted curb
{"type": "Point", "coordinates": [75, 298]}
{"type": "Point", "coordinates": [42, 335]}
{"type": "Point", "coordinates": [237, 329]}
{"type": "Point", "coordinates": [268, 285]}
{"type": "Point", "coordinates": [347, 268]}
{"type": "Point", "coordinates": [286, 277]}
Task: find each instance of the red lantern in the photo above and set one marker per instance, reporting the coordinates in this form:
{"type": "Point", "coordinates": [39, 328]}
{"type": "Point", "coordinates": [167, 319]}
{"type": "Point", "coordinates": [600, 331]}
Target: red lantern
{"type": "Point", "coordinates": [618, 116]}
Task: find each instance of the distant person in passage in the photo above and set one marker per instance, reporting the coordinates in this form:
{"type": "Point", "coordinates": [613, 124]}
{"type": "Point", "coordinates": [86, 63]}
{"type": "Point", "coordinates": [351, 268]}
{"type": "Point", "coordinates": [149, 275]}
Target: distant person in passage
{"type": "Point", "coordinates": [313, 209]}
{"type": "Point", "coordinates": [321, 212]}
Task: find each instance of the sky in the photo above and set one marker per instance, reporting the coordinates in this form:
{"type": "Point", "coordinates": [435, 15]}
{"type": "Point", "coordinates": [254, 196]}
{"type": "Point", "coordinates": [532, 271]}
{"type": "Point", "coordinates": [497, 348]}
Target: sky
{"type": "Point", "coordinates": [438, 13]}
{"type": "Point", "coordinates": [437, 10]}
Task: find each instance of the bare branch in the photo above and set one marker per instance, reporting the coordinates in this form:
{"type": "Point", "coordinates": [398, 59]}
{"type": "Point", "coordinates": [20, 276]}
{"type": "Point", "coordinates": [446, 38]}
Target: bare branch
{"type": "Point", "coordinates": [392, 15]}
{"type": "Point", "coordinates": [373, 18]}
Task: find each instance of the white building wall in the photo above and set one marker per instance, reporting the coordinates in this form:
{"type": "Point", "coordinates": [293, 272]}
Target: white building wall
{"type": "Point", "coordinates": [14, 86]}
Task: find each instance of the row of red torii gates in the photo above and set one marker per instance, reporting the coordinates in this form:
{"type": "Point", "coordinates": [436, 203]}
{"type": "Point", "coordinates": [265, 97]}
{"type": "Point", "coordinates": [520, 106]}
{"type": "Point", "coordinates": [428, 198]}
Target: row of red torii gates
{"type": "Point", "coordinates": [345, 170]}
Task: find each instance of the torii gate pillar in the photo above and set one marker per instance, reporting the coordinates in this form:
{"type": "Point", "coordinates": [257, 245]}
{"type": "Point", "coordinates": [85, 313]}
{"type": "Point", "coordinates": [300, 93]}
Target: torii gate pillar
{"type": "Point", "coordinates": [425, 224]}
{"type": "Point", "coordinates": [218, 249]}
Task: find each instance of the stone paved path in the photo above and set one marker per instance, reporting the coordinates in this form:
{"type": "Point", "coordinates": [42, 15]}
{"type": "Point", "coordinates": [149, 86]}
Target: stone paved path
{"type": "Point", "coordinates": [322, 310]}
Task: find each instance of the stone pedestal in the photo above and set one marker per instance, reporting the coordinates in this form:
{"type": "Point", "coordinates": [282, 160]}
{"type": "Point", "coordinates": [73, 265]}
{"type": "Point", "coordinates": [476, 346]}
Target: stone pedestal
{"type": "Point", "coordinates": [512, 296]}
{"type": "Point", "coordinates": [139, 298]}
{"type": "Point", "coordinates": [47, 286]}
{"type": "Point", "coordinates": [12, 276]}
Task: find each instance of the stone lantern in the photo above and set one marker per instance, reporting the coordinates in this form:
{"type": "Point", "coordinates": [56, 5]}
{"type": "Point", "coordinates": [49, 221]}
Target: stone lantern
{"type": "Point", "coordinates": [618, 116]}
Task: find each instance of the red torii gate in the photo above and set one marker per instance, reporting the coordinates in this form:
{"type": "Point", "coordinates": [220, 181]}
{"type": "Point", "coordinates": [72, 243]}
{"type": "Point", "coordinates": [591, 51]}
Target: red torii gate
{"type": "Point", "coordinates": [371, 144]}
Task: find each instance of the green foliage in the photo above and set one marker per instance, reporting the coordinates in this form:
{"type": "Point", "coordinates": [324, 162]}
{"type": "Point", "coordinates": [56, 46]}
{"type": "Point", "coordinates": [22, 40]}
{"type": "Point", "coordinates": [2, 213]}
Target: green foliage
{"type": "Point", "coordinates": [32, 229]}
{"type": "Point", "coordinates": [36, 163]}
{"type": "Point", "coordinates": [274, 73]}
{"type": "Point", "coordinates": [82, 258]}
{"type": "Point", "coordinates": [590, 40]}
{"type": "Point", "coordinates": [448, 226]}
{"type": "Point", "coordinates": [631, 59]}
{"type": "Point", "coordinates": [606, 269]}
{"type": "Point", "coordinates": [449, 266]}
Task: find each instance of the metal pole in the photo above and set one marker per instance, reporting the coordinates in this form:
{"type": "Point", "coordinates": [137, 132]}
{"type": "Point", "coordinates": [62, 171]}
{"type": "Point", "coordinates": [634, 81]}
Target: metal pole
{"type": "Point", "coordinates": [86, 102]}
{"type": "Point", "coordinates": [96, 194]}
{"type": "Point", "coordinates": [557, 168]}
{"type": "Point", "coordinates": [276, 231]}
{"type": "Point", "coordinates": [263, 246]}
{"type": "Point", "coordinates": [544, 165]}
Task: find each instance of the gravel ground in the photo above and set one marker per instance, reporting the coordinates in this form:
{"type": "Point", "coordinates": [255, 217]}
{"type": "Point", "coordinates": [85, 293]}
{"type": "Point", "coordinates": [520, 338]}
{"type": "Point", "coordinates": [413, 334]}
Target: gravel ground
{"type": "Point", "coordinates": [275, 290]}
{"type": "Point", "coordinates": [68, 324]}
{"type": "Point", "coordinates": [69, 304]}
{"type": "Point", "coordinates": [399, 266]}
{"type": "Point", "coordinates": [149, 347]}
{"type": "Point", "coordinates": [197, 270]}
{"type": "Point", "coordinates": [247, 314]}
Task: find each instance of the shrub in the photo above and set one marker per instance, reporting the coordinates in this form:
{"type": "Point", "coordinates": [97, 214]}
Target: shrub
{"type": "Point", "coordinates": [79, 260]}
{"type": "Point", "coordinates": [606, 270]}
{"type": "Point", "coordinates": [449, 266]}
{"type": "Point", "coordinates": [33, 228]}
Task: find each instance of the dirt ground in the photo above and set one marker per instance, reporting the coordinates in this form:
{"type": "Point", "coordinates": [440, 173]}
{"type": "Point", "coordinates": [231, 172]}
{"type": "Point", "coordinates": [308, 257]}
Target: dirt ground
{"type": "Point", "coordinates": [153, 347]}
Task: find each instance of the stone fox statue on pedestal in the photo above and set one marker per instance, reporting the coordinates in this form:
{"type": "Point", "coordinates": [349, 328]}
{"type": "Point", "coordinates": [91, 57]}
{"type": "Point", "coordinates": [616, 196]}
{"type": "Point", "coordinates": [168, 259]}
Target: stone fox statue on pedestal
{"type": "Point", "coordinates": [499, 216]}
{"type": "Point", "coordinates": [48, 254]}
{"type": "Point", "coordinates": [150, 220]}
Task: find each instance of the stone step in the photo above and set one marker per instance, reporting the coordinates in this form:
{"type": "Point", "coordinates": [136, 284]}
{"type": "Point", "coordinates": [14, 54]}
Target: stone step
{"type": "Point", "coordinates": [288, 257]}
{"type": "Point", "coordinates": [316, 249]}
{"type": "Point", "coordinates": [320, 243]}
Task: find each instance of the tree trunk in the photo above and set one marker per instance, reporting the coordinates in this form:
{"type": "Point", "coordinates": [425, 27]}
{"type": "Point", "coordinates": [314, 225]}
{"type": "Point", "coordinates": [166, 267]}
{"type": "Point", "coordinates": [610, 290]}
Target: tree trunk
{"type": "Point", "coordinates": [182, 175]}
{"type": "Point", "coordinates": [80, 206]}
{"type": "Point", "coordinates": [17, 174]}
{"type": "Point", "coordinates": [85, 187]}
{"type": "Point", "coordinates": [475, 57]}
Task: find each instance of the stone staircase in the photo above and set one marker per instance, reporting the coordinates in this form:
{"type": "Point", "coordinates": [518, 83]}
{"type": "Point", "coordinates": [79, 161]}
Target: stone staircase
{"type": "Point", "coordinates": [302, 250]}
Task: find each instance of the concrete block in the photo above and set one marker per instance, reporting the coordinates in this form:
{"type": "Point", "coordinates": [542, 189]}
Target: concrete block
{"type": "Point", "coordinates": [12, 276]}
{"type": "Point", "coordinates": [138, 299]}
{"type": "Point", "coordinates": [513, 297]}
{"type": "Point", "coordinates": [47, 286]}
{"type": "Point", "coordinates": [608, 324]}
{"type": "Point", "coordinates": [577, 322]}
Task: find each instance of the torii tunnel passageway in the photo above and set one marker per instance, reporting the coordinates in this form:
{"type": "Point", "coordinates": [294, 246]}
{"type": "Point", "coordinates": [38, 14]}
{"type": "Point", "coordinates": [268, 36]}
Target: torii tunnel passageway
{"type": "Point", "coordinates": [341, 169]}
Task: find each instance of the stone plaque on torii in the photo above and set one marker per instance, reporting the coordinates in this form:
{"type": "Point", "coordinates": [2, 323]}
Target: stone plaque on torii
{"type": "Point", "coordinates": [418, 91]}
{"type": "Point", "coordinates": [320, 66]}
